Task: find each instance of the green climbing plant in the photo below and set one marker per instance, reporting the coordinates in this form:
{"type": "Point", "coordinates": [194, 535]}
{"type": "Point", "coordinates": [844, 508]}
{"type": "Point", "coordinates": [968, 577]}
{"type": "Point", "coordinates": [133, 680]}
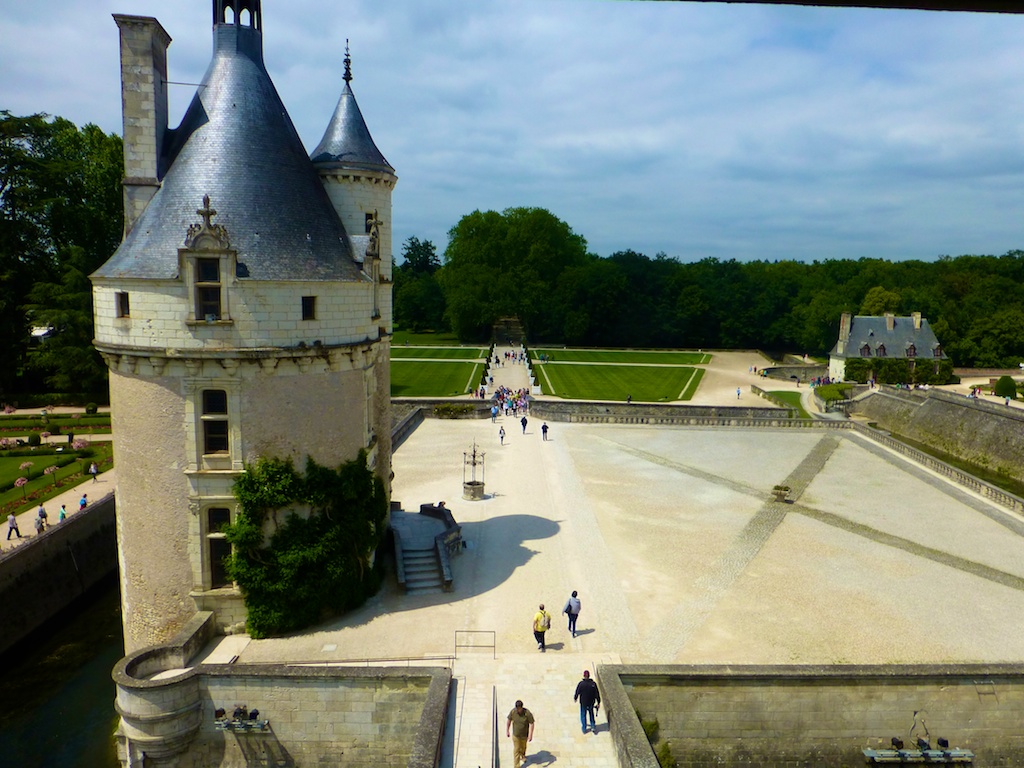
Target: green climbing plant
{"type": "Point", "coordinates": [310, 565]}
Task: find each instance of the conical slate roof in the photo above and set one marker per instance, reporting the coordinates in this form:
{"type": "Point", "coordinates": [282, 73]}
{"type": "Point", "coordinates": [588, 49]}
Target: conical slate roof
{"type": "Point", "coordinates": [347, 141]}
{"type": "Point", "coordinates": [237, 144]}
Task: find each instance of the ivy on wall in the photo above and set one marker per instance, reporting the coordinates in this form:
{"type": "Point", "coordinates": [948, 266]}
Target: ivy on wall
{"type": "Point", "coordinates": [311, 567]}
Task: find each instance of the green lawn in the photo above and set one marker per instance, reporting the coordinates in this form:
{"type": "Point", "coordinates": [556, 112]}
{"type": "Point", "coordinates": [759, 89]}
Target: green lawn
{"type": "Point", "coordinates": [792, 399]}
{"type": "Point", "coordinates": [439, 379]}
{"type": "Point", "coordinates": [639, 356]}
{"type": "Point", "coordinates": [19, 426]}
{"type": "Point", "coordinates": [440, 353]}
{"type": "Point", "coordinates": [616, 382]}
{"type": "Point", "coordinates": [429, 338]}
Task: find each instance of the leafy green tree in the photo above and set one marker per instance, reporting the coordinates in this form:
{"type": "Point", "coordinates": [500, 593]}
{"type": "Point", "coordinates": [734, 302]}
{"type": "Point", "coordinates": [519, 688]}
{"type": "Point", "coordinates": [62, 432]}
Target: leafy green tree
{"type": "Point", "coordinates": [1006, 387]}
{"type": "Point", "coordinates": [60, 219]}
{"type": "Point", "coordinates": [507, 264]}
{"type": "Point", "coordinates": [878, 301]}
{"type": "Point", "coordinates": [419, 301]}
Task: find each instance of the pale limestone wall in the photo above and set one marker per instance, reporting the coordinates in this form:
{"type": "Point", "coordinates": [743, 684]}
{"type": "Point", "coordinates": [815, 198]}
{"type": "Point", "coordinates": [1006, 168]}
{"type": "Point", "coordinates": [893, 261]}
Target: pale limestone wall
{"type": "Point", "coordinates": [323, 416]}
{"type": "Point", "coordinates": [153, 516]}
{"type": "Point", "coordinates": [824, 717]}
{"type": "Point", "coordinates": [263, 314]}
{"type": "Point", "coordinates": [357, 193]}
{"type": "Point", "coordinates": [332, 721]}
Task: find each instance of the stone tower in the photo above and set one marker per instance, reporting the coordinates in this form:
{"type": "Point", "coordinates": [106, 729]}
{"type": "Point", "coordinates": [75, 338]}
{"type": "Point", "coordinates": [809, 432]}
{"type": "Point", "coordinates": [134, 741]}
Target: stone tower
{"type": "Point", "coordinates": [238, 317]}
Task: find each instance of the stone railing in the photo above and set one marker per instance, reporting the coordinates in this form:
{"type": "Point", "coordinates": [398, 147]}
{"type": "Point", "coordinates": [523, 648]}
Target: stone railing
{"type": "Point", "coordinates": [959, 476]}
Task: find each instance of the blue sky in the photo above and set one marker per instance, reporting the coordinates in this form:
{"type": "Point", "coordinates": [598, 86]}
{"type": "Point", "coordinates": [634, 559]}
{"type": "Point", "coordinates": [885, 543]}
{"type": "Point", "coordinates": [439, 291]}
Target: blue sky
{"type": "Point", "coordinates": [697, 130]}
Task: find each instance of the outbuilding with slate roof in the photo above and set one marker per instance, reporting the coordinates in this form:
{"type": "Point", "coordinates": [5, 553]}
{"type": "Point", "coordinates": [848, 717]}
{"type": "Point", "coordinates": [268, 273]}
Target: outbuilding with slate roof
{"type": "Point", "coordinates": [886, 336]}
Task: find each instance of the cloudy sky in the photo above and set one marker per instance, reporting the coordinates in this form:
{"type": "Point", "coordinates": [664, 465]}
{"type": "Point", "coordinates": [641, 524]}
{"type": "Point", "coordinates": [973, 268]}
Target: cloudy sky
{"type": "Point", "coordinates": [697, 130]}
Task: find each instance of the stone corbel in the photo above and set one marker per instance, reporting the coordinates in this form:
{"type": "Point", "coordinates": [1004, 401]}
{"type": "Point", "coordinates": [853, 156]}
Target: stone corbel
{"type": "Point", "coordinates": [158, 364]}
{"type": "Point", "coordinates": [194, 367]}
{"type": "Point", "coordinates": [230, 365]}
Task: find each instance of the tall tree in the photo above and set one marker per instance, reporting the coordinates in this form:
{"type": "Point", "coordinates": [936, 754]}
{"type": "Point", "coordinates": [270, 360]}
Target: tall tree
{"type": "Point", "coordinates": [419, 301]}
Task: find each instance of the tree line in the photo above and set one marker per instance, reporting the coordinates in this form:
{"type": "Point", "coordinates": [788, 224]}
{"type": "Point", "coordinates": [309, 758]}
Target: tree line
{"type": "Point", "coordinates": [525, 262]}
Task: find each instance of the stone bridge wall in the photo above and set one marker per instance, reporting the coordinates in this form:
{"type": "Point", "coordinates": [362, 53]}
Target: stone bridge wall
{"type": "Point", "coordinates": [813, 717]}
{"type": "Point", "coordinates": [981, 433]}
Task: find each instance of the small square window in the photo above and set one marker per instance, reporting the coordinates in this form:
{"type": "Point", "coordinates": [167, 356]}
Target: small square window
{"type": "Point", "coordinates": [123, 309]}
{"type": "Point", "coordinates": [309, 307]}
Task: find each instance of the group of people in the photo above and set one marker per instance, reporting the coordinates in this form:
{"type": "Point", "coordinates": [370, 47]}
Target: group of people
{"type": "Point", "coordinates": [509, 402]}
{"type": "Point", "coordinates": [42, 519]}
{"type": "Point", "coordinates": [520, 722]}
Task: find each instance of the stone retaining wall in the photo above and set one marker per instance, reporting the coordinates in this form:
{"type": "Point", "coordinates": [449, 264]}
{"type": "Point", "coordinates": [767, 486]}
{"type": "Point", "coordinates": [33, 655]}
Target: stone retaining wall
{"type": "Point", "coordinates": [981, 433]}
{"type": "Point", "coordinates": [576, 411]}
{"type": "Point", "coordinates": [47, 573]}
{"type": "Point", "coordinates": [341, 716]}
{"type": "Point", "coordinates": [813, 716]}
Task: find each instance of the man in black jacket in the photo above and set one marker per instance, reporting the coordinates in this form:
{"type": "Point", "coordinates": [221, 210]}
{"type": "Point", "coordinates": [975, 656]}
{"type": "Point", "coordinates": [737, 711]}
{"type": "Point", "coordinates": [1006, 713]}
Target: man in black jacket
{"type": "Point", "coordinates": [590, 700]}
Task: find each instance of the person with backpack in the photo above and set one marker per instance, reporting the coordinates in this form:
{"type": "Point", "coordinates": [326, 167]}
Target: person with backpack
{"type": "Point", "coordinates": [590, 701]}
{"type": "Point", "coordinates": [541, 624]}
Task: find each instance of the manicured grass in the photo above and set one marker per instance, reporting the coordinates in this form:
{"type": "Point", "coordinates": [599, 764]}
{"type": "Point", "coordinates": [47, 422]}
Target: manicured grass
{"type": "Point", "coordinates": [441, 379]}
{"type": "Point", "coordinates": [439, 353]}
{"type": "Point", "coordinates": [616, 382]}
{"type": "Point", "coordinates": [18, 426]}
{"type": "Point", "coordinates": [834, 391]}
{"type": "Point", "coordinates": [640, 356]}
{"type": "Point", "coordinates": [792, 399]}
{"type": "Point", "coordinates": [429, 338]}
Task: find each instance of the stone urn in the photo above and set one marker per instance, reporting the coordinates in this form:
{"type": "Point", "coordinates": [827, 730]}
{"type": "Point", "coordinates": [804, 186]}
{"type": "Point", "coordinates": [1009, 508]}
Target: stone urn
{"type": "Point", "coordinates": [781, 492]}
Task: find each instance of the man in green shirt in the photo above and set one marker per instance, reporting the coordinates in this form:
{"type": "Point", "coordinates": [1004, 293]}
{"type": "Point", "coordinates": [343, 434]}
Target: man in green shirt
{"type": "Point", "coordinates": [520, 727]}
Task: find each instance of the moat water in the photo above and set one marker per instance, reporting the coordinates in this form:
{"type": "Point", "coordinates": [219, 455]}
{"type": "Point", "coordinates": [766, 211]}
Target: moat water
{"type": "Point", "coordinates": [56, 694]}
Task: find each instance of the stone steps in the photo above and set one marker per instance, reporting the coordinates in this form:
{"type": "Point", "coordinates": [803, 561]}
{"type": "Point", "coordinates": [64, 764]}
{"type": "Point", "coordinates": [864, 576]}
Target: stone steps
{"type": "Point", "coordinates": [422, 572]}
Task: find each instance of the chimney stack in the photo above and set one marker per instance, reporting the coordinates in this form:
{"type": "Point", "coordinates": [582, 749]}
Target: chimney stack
{"type": "Point", "coordinates": [916, 317]}
{"type": "Point", "coordinates": [845, 321]}
{"type": "Point", "coordinates": [890, 321]}
{"type": "Point", "coordinates": [144, 109]}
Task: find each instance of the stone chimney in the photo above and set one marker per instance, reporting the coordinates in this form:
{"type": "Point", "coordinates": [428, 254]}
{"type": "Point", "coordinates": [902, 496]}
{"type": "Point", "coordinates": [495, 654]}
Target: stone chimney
{"type": "Point", "coordinates": [916, 317]}
{"type": "Point", "coordinates": [144, 109]}
{"type": "Point", "coordinates": [845, 322]}
{"type": "Point", "coordinates": [890, 321]}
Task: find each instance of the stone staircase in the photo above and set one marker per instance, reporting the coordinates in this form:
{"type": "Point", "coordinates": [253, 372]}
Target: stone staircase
{"type": "Point", "coordinates": [422, 571]}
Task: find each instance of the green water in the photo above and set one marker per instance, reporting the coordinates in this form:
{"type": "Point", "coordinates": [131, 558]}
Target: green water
{"type": "Point", "coordinates": [56, 694]}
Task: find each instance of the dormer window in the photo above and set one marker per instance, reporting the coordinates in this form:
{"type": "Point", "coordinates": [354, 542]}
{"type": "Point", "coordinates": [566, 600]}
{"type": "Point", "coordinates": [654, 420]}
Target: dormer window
{"type": "Point", "coordinates": [208, 265]}
{"type": "Point", "coordinates": [937, 352]}
{"type": "Point", "coordinates": [911, 351]}
{"type": "Point", "coordinates": [865, 351]}
{"type": "Point", "coordinates": [881, 350]}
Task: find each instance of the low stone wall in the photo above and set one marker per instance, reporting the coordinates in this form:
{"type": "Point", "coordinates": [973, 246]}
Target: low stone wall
{"type": "Point", "coordinates": [48, 573]}
{"type": "Point", "coordinates": [813, 716]}
{"type": "Point", "coordinates": [985, 434]}
{"type": "Point", "coordinates": [341, 716]}
{"type": "Point", "coordinates": [801, 372]}
{"type": "Point", "coordinates": [621, 413]}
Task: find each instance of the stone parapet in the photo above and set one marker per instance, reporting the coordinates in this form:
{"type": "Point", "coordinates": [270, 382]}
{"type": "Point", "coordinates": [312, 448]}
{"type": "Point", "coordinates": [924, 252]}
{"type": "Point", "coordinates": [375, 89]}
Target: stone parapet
{"type": "Point", "coordinates": [812, 716]}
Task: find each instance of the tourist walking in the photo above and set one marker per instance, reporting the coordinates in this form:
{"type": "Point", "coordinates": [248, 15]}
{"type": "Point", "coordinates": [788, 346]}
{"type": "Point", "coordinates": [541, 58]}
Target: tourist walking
{"type": "Point", "coordinates": [83, 502]}
{"type": "Point", "coordinates": [737, 393]}
{"type": "Point", "coordinates": [63, 513]}
{"type": "Point", "coordinates": [541, 624]}
{"type": "Point", "coordinates": [523, 422]}
{"type": "Point", "coordinates": [41, 518]}
{"type": "Point", "coordinates": [94, 470]}
{"type": "Point", "coordinates": [12, 526]}
{"type": "Point", "coordinates": [544, 430]}
{"type": "Point", "coordinates": [572, 610]}
{"type": "Point", "coordinates": [590, 701]}
{"type": "Point", "coordinates": [519, 725]}
{"type": "Point", "coordinates": [501, 435]}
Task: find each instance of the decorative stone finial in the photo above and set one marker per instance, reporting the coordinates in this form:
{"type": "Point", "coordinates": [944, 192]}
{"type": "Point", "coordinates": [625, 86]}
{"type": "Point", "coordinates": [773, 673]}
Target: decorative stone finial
{"type": "Point", "coordinates": [207, 236]}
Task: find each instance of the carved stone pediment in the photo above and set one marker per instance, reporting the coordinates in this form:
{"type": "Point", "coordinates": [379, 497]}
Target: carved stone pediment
{"type": "Point", "coordinates": [207, 236]}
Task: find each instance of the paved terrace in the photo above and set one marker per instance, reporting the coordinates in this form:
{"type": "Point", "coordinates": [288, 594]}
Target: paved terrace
{"type": "Point", "coordinates": [680, 555]}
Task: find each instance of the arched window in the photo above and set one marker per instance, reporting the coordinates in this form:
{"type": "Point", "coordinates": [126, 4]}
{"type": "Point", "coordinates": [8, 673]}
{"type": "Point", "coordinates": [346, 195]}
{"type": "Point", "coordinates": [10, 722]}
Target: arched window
{"type": "Point", "coordinates": [865, 351]}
